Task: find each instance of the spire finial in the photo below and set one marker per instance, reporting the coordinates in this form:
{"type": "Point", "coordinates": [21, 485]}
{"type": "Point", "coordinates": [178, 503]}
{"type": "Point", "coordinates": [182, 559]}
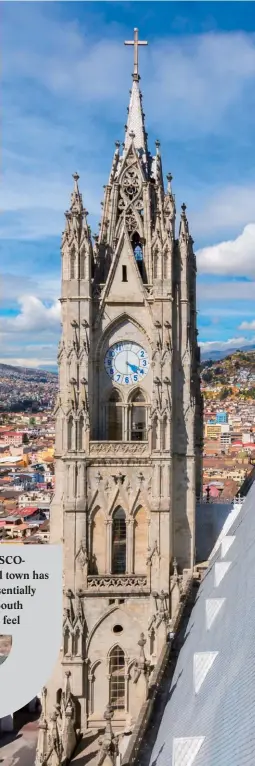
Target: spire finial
{"type": "Point", "coordinates": [184, 208]}
{"type": "Point", "coordinates": [135, 42]}
{"type": "Point", "coordinates": [76, 179]}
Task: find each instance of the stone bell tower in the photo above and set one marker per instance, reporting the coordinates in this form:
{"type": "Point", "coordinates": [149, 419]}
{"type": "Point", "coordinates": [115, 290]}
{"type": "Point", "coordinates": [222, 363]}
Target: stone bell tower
{"type": "Point", "coordinates": [127, 437]}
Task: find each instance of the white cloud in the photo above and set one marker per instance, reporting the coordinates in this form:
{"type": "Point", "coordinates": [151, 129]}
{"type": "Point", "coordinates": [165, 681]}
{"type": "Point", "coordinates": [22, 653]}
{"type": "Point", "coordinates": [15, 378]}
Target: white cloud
{"type": "Point", "coordinates": [34, 316]}
{"type": "Point", "coordinates": [247, 325]}
{"type": "Point", "coordinates": [233, 257]}
{"type": "Point", "coordinates": [196, 78]}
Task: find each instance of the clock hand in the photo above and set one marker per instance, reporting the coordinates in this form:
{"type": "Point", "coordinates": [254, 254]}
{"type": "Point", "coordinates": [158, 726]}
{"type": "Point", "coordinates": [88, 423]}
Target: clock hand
{"type": "Point", "coordinates": [133, 367]}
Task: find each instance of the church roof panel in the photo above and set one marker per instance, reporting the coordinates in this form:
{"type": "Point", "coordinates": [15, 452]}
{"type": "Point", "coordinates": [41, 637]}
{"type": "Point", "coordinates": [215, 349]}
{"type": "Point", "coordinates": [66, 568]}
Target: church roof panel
{"type": "Point", "coordinates": [222, 710]}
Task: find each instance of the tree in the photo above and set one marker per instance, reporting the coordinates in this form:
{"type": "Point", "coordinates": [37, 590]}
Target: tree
{"type": "Point", "coordinates": [225, 393]}
{"type": "Point", "coordinates": [207, 376]}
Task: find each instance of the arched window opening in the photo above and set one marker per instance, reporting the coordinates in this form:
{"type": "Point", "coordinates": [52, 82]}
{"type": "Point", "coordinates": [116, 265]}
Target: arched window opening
{"type": "Point", "coordinates": [97, 564]}
{"type": "Point", "coordinates": [72, 265]}
{"type": "Point", "coordinates": [117, 678]}
{"type": "Point", "coordinates": [138, 252]}
{"type": "Point", "coordinates": [138, 418]}
{"type": "Point", "coordinates": [115, 412]}
{"type": "Point", "coordinates": [119, 542]}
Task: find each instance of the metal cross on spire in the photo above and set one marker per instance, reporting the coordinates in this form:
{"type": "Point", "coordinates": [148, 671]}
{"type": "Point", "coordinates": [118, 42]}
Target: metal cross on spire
{"type": "Point", "coordinates": [135, 42]}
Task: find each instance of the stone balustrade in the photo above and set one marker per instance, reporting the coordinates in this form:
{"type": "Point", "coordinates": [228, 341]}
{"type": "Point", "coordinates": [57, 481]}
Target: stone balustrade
{"type": "Point", "coordinates": [118, 449]}
{"type": "Point", "coordinates": [128, 583]}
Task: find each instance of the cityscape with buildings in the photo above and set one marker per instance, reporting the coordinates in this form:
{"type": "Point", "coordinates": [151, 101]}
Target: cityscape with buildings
{"type": "Point", "coordinates": [27, 442]}
{"type": "Point", "coordinates": [27, 438]}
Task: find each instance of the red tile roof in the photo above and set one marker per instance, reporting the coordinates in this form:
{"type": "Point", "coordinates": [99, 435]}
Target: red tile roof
{"type": "Point", "coordinates": [24, 511]}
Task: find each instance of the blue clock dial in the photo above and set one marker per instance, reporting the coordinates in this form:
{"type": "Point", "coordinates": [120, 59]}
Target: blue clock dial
{"type": "Point", "coordinates": [126, 363]}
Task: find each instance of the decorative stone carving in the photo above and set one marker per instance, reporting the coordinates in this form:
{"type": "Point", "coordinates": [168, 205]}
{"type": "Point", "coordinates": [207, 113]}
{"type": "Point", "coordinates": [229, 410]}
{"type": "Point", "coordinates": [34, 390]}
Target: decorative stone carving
{"type": "Point", "coordinates": [60, 732]}
{"type": "Point", "coordinates": [82, 555]}
{"type": "Point", "coordinates": [109, 748]}
{"type": "Point", "coordinates": [113, 582]}
{"type": "Point", "coordinates": [118, 448]}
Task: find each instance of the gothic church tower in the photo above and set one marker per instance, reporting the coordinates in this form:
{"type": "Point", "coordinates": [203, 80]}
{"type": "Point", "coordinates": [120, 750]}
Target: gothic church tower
{"type": "Point", "coordinates": [128, 440]}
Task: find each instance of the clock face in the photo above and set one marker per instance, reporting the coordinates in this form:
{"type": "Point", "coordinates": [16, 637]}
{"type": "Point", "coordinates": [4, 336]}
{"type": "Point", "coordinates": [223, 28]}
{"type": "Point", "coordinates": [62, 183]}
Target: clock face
{"type": "Point", "coordinates": [126, 363]}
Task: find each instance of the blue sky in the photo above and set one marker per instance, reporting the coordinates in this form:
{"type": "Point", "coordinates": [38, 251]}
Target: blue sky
{"type": "Point", "coordinates": [65, 87]}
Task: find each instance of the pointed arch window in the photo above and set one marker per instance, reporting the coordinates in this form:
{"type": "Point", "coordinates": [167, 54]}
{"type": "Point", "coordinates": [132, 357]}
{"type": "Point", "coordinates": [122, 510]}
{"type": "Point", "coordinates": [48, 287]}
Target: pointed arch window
{"type": "Point", "coordinates": [138, 417]}
{"type": "Point", "coordinates": [119, 542]}
{"type": "Point", "coordinates": [117, 678]}
{"type": "Point", "coordinates": [115, 417]}
{"type": "Point", "coordinates": [138, 252]}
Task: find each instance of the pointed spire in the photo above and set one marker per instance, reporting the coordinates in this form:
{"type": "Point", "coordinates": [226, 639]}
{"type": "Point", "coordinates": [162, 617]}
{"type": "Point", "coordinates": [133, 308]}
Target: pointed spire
{"type": "Point", "coordinates": [169, 178]}
{"type": "Point", "coordinates": [135, 122]}
{"type": "Point", "coordinates": [184, 226]}
{"type": "Point", "coordinates": [135, 130]}
{"type": "Point", "coordinates": [76, 198]}
{"type": "Point", "coordinates": [76, 227]}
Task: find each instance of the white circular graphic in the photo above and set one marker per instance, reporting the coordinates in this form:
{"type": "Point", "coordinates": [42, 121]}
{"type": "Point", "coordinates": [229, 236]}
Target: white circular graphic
{"type": "Point", "coordinates": [126, 363]}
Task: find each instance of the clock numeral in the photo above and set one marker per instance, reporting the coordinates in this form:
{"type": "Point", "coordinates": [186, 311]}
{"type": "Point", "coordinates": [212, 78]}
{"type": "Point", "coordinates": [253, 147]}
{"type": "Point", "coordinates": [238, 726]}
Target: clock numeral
{"type": "Point", "coordinates": [135, 378]}
{"type": "Point", "coordinates": [127, 379]}
{"type": "Point", "coordinates": [142, 353]}
{"type": "Point", "coordinates": [118, 378]}
{"type": "Point", "coordinates": [144, 362]}
{"type": "Point", "coordinates": [111, 371]}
